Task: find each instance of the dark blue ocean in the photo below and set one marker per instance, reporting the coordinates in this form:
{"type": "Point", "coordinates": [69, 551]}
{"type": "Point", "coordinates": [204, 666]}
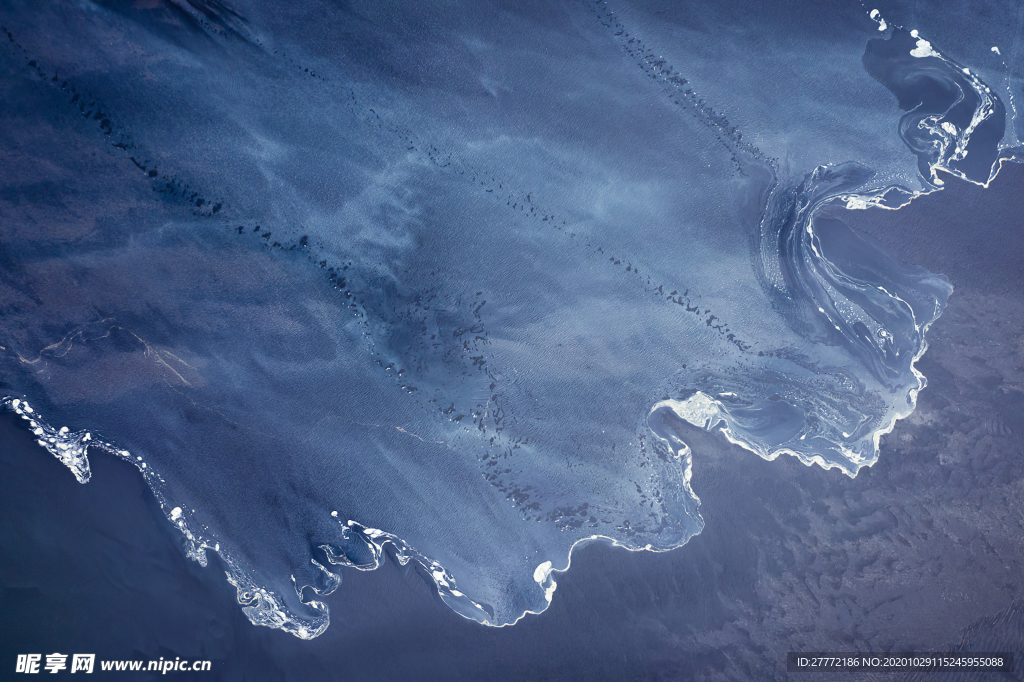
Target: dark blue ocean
{"type": "Point", "coordinates": [332, 333]}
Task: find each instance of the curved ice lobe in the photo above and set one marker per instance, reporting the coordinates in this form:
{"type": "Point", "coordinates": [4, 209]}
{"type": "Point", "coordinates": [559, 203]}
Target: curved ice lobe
{"type": "Point", "coordinates": [864, 316]}
{"type": "Point", "coordinates": [366, 549]}
{"type": "Point", "coordinates": [836, 289]}
{"type": "Point", "coordinates": [954, 122]}
{"type": "Point", "coordinates": [266, 608]}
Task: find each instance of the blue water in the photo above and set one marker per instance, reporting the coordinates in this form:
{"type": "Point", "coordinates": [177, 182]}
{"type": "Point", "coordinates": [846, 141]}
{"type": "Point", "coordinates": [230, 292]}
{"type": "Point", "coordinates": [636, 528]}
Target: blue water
{"type": "Point", "coordinates": [437, 282]}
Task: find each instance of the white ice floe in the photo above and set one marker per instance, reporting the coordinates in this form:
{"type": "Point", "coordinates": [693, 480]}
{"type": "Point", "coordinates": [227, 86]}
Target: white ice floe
{"type": "Point", "coordinates": [542, 576]}
{"type": "Point", "coordinates": [923, 49]}
{"type": "Point", "coordinates": [877, 16]}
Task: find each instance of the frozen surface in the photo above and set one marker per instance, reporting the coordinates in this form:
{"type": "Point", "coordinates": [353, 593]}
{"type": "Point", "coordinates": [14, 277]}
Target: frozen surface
{"type": "Point", "coordinates": [435, 281]}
